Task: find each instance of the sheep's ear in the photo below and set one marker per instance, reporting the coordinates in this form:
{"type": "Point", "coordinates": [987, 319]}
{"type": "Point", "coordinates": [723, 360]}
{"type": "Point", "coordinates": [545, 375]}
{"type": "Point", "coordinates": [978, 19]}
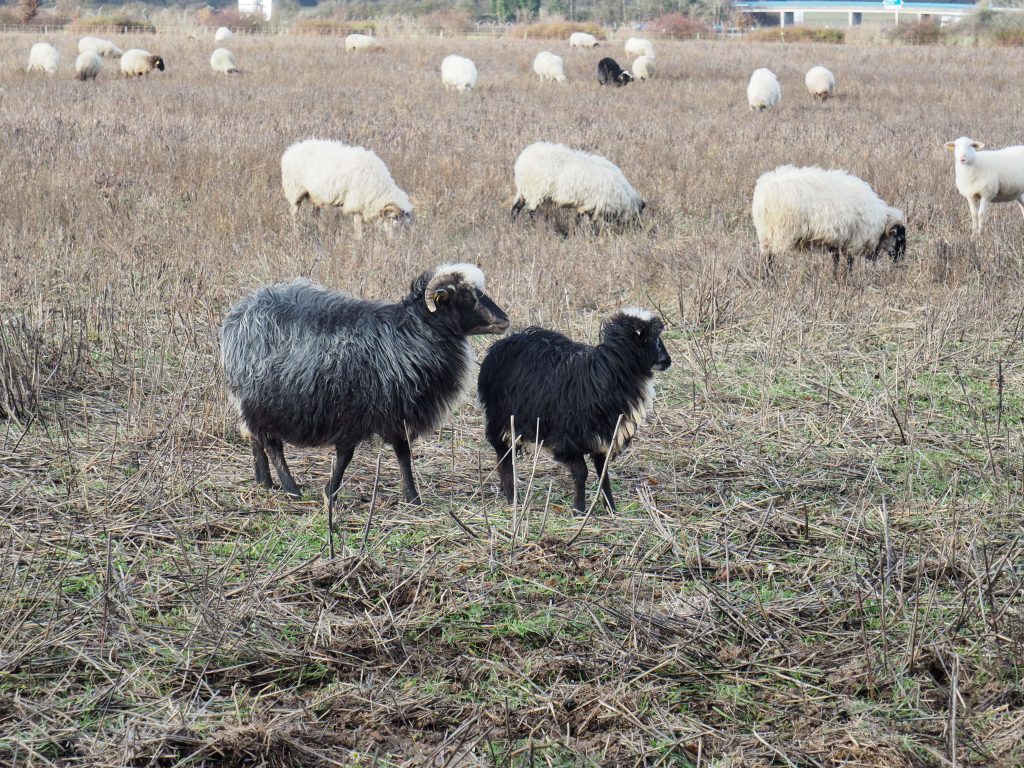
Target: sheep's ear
{"type": "Point", "coordinates": [392, 211]}
{"type": "Point", "coordinates": [950, 146]}
{"type": "Point", "coordinates": [978, 145]}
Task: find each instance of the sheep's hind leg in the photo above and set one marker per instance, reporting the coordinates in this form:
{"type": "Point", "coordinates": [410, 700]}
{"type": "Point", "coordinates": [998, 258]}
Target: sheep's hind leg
{"type": "Point", "coordinates": [1020, 202]}
{"type": "Point", "coordinates": [284, 476]}
{"type": "Point", "coordinates": [600, 467]}
{"type": "Point", "coordinates": [404, 455]}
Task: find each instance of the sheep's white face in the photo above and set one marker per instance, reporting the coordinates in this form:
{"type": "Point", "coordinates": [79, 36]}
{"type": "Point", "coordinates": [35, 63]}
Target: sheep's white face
{"type": "Point", "coordinates": [964, 150]}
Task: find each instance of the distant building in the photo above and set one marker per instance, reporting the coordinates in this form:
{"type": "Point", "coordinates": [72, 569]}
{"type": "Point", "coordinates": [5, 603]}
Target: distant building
{"type": "Point", "coordinates": [258, 7]}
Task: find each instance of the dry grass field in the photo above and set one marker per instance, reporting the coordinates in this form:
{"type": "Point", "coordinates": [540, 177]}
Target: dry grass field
{"type": "Point", "coordinates": [819, 554]}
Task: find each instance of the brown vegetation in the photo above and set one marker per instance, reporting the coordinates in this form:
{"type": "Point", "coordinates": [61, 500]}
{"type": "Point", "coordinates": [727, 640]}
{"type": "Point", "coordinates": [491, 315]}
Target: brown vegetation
{"type": "Point", "coordinates": [816, 560]}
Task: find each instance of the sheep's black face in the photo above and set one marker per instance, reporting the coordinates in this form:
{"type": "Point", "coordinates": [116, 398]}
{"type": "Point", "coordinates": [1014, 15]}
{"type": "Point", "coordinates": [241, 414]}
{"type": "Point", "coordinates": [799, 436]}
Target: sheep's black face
{"type": "Point", "coordinates": [893, 242]}
{"type": "Point", "coordinates": [474, 311]}
{"type": "Point", "coordinates": [158, 63]}
{"type": "Point", "coordinates": [624, 78]}
{"type": "Point", "coordinates": [643, 330]}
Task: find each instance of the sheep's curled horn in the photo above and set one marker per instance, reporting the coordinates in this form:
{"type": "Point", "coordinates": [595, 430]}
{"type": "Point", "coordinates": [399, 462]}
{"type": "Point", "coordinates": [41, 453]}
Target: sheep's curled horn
{"type": "Point", "coordinates": [429, 291]}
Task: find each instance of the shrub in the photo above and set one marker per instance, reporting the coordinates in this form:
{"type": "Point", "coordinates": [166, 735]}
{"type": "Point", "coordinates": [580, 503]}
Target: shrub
{"type": "Point", "coordinates": [447, 20]}
{"type": "Point", "coordinates": [925, 32]}
{"type": "Point", "coordinates": [554, 30]}
{"type": "Point", "coordinates": [678, 26]}
{"type": "Point", "coordinates": [118, 23]}
{"type": "Point", "coordinates": [327, 27]}
{"type": "Point", "coordinates": [796, 35]}
{"type": "Point", "coordinates": [230, 17]}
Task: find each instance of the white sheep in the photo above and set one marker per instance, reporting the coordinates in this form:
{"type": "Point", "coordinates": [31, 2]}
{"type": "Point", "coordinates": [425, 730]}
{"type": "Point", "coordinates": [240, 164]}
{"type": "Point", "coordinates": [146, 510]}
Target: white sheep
{"type": "Point", "coordinates": [820, 82]}
{"type": "Point", "coordinates": [43, 58]}
{"type": "Point", "coordinates": [458, 73]}
{"type": "Point", "coordinates": [223, 61]}
{"type": "Point", "coordinates": [797, 208]}
{"type": "Point", "coordinates": [99, 46]}
{"type": "Point", "coordinates": [639, 46]}
{"type": "Point", "coordinates": [764, 91]}
{"type": "Point", "coordinates": [549, 66]}
{"type": "Point", "coordinates": [643, 68]}
{"type": "Point", "coordinates": [329, 173]}
{"type": "Point", "coordinates": [88, 65]}
{"type": "Point", "coordinates": [356, 42]}
{"type": "Point", "coordinates": [555, 174]}
{"type": "Point", "coordinates": [222, 34]}
{"type": "Point", "coordinates": [582, 40]}
{"type": "Point", "coordinates": [136, 62]}
{"type": "Point", "coordinates": [995, 176]}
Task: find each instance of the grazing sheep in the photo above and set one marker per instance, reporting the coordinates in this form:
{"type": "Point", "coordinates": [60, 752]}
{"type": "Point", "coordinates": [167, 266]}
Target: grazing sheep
{"type": "Point", "coordinates": [643, 68]}
{"type": "Point", "coordinates": [609, 71]}
{"type": "Point", "coordinates": [357, 42]}
{"type": "Point", "coordinates": [995, 176]}
{"type": "Point", "coordinates": [458, 73]}
{"type": "Point", "coordinates": [88, 65]}
{"type": "Point", "coordinates": [43, 58]}
{"type": "Point", "coordinates": [820, 82]}
{"type": "Point", "coordinates": [806, 207]}
{"type": "Point", "coordinates": [639, 46]}
{"type": "Point", "coordinates": [351, 178]}
{"type": "Point", "coordinates": [137, 62]}
{"type": "Point", "coordinates": [555, 174]}
{"type": "Point", "coordinates": [764, 91]}
{"type": "Point", "coordinates": [582, 40]}
{"type": "Point", "coordinates": [549, 66]}
{"type": "Point", "coordinates": [222, 34]}
{"type": "Point", "coordinates": [311, 367]}
{"type": "Point", "coordinates": [99, 46]}
{"type": "Point", "coordinates": [223, 61]}
{"type": "Point", "coordinates": [572, 398]}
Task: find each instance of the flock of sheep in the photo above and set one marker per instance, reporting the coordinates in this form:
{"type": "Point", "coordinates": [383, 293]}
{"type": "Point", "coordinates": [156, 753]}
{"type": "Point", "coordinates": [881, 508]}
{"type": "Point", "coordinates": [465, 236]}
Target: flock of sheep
{"type": "Point", "coordinates": [310, 366]}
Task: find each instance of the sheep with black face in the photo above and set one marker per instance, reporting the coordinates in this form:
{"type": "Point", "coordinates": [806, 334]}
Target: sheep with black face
{"type": "Point", "coordinates": [309, 366]}
{"type": "Point", "coordinates": [572, 398]}
{"type": "Point", "coordinates": [610, 73]}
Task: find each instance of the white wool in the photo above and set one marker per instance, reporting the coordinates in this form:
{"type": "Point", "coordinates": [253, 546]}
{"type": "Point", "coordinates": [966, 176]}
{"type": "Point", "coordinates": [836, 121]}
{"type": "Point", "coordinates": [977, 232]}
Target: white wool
{"type": "Point", "coordinates": [223, 61]}
{"type": "Point", "coordinates": [590, 184]}
{"type": "Point", "coordinates": [458, 73]}
{"type": "Point", "coordinates": [549, 66]}
{"type": "Point", "coordinates": [357, 42]}
{"type": "Point", "coordinates": [820, 82]}
{"type": "Point", "coordinates": [643, 68]}
{"type": "Point", "coordinates": [640, 314]}
{"type": "Point", "coordinates": [136, 62]}
{"type": "Point", "coordinates": [993, 176]}
{"type": "Point", "coordinates": [99, 46]}
{"type": "Point", "coordinates": [222, 33]}
{"type": "Point", "coordinates": [88, 65]}
{"type": "Point", "coordinates": [582, 40]}
{"type": "Point", "coordinates": [763, 91]}
{"type": "Point", "coordinates": [351, 178]}
{"type": "Point", "coordinates": [43, 58]}
{"type": "Point", "coordinates": [639, 46]}
{"type": "Point", "coordinates": [800, 207]}
{"type": "Point", "coordinates": [469, 273]}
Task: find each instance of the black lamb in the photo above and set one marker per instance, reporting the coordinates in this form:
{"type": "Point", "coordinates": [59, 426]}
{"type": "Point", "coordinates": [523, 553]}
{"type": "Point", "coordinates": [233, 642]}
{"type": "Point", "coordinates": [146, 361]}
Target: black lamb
{"type": "Point", "coordinates": [609, 72]}
{"type": "Point", "coordinates": [310, 366]}
{"type": "Point", "coordinates": [573, 398]}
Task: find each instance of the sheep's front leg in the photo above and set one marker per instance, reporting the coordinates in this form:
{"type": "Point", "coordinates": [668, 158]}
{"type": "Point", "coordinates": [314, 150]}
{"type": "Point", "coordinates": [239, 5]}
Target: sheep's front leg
{"type": "Point", "coordinates": [600, 461]}
{"type": "Point", "coordinates": [982, 212]}
{"type": "Point", "coordinates": [401, 446]}
{"type": "Point", "coordinates": [505, 475]}
{"type": "Point", "coordinates": [1020, 202]}
{"type": "Point", "coordinates": [357, 226]}
{"type": "Point", "coordinates": [578, 470]}
{"type": "Point", "coordinates": [284, 476]}
{"type": "Point", "coordinates": [972, 203]}
{"type": "Point", "coordinates": [259, 457]}
{"type": "Point", "coordinates": [342, 457]}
